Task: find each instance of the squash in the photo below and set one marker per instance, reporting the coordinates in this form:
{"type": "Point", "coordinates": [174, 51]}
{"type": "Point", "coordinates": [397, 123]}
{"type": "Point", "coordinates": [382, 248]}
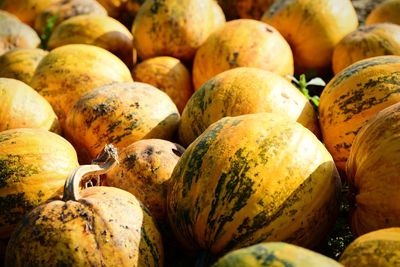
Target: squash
{"type": "Point", "coordinates": [274, 254]}
{"type": "Point", "coordinates": [352, 97]}
{"type": "Point", "coordinates": [174, 27]}
{"type": "Point", "coordinates": [20, 64]}
{"type": "Point", "coordinates": [120, 114]}
{"type": "Point", "coordinates": [242, 43]}
{"type": "Point", "coordinates": [312, 28]}
{"type": "Point", "coordinates": [387, 11]}
{"type": "Point", "coordinates": [69, 71]}
{"type": "Point", "coordinates": [378, 248]}
{"type": "Point", "coordinates": [249, 179]}
{"type": "Point", "coordinates": [365, 42]}
{"type": "Point", "coordinates": [144, 170]}
{"type": "Point", "coordinates": [167, 74]}
{"type": "Point", "coordinates": [241, 91]}
{"type": "Point", "coordinates": [22, 107]}
{"type": "Point", "coordinates": [248, 9]}
{"type": "Point", "coordinates": [25, 10]}
{"type": "Point", "coordinates": [373, 170]}
{"type": "Point", "coordinates": [99, 226]}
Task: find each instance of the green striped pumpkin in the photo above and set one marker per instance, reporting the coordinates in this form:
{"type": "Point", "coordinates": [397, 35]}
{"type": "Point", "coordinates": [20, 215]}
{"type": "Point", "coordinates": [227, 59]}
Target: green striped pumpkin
{"type": "Point", "coordinates": [253, 178]}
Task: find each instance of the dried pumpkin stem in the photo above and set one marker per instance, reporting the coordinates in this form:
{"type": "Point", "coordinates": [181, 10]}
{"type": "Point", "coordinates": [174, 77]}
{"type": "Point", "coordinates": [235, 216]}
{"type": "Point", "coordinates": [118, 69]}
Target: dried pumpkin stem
{"type": "Point", "coordinates": [102, 164]}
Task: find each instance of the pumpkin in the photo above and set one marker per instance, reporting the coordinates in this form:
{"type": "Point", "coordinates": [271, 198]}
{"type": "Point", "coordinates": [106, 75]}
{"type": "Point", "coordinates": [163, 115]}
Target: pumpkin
{"type": "Point", "coordinates": [352, 97]}
{"type": "Point", "coordinates": [22, 107]}
{"type": "Point", "coordinates": [120, 114]}
{"type": "Point", "coordinates": [25, 10]}
{"type": "Point", "coordinates": [312, 28]}
{"type": "Point", "coordinates": [373, 170]}
{"type": "Point", "coordinates": [387, 11]}
{"type": "Point", "coordinates": [378, 248]}
{"type": "Point", "coordinates": [274, 254]}
{"type": "Point", "coordinates": [365, 42]}
{"type": "Point", "coordinates": [99, 226]}
{"type": "Point", "coordinates": [167, 74]}
{"type": "Point", "coordinates": [174, 27]}
{"type": "Point", "coordinates": [249, 9]}
{"type": "Point", "coordinates": [69, 71]}
{"type": "Point", "coordinates": [20, 64]}
{"type": "Point", "coordinates": [144, 170]}
{"type": "Point", "coordinates": [34, 164]}
{"type": "Point", "coordinates": [242, 43]}
{"type": "Point", "coordinates": [241, 91]}
{"type": "Point", "coordinates": [249, 179]}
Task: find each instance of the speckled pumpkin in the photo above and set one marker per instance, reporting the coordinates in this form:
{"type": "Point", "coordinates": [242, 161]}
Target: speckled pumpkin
{"type": "Point", "coordinates": [167, 74]}
{"type": "Point", "coordinates": [175, 27]}
{"type": "Point", "coordinates": [25, 10]}
{"type": "Point", "coordinates": [378, 248]}
{"type": "Point", "coordinates": [20, 64]}
{"type": "Point", "coordinates": [365, 42]}
{"type": "Point", "coordinates": [242, 43]}
{"type": "Point", "coordinates": [144, 170]}
{"type": "Point", "coordinates": [275, 254]}
{"type": "Point", "coordinates": [100, 226]}
{"type": "Point", "coordinates": [249, 9]}
{"type": "Point", "coordinates": [387, 11]}
{"type": "Point", "coordinates": [249, 179]}
{"type": "Point", "coordinates": [98, 30]}
{"type": "Point", "coordinates": [69, 71]}
{"type": "Point", "coordinates": [312, 28]}
{"type": "Point", "coordinates": [352, 97]}
{"type": "Point", "coordinates": [241, 91]}
{"type": "Point", "coordinates": [120, 114]}
{"type": "Point", "coordinates": [373, 169]}
{"type": "Point", "coordinates": [22, 107]}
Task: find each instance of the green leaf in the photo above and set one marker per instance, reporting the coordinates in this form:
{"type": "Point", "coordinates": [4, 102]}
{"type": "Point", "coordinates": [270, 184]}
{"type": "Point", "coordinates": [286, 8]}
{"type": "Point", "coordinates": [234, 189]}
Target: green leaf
{"type": "Point", "coordinates": [47, 30]}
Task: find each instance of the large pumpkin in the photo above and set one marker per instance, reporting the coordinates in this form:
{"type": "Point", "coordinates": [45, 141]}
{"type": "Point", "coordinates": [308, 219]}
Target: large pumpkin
{"type": "Point", "coordinates": [174, 27]}
{"type": "Point", "coordinates": [243, 91]}
{"type": "Point", "coordinates": [378, 248]}
{"type": "Point", "coordinates": [312, 28]}
{"type": "Point", "coordinates": [25, 10]}
{"type": "Point", "coordinates": [352, 97]}
{"type": "Point", "coordinates": [365, 42]}
{"type": "Point", "coordinates": [387, 11]}
{"type": "Point", "coordinates": [373, 169]}
{"type": "Point", "coordinates": [69, 71]}
{"type": "Point", "coordinates": [253, 178]}
{"type": "Point", "coordinates": [100, 226]}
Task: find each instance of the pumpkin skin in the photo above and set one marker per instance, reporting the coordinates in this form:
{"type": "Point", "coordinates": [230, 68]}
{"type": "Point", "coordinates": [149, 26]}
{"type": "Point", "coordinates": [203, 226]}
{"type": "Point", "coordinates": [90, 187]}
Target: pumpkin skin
{"type": "Point", "coordinates": [167, 74]}
{"type": "Point", "coordinates": [120, 114]}
{"type": "Point", "coordinates": [23, 107]}
{"type": "Point", "coordinates": [25, 10]}
{"type": "Point", "coordinates": [267, 178]}
{"type": "Point", "coordinates": [20, 64]}
{"type": "Point", "coordinates": [69, 71]}
{"type": "Point", "coordinates": [235, 45]}
{"type": "Point", "coordinates": [352, 97]}
{"type": "Point", "coordinates": [373, 170]}
{"type": "Point", "coordinates": [241, 91]}
{"type": "Point", "coordinates": [174, 28]}
{"type": "Point", "coordinates": [144, 170]}
{"type": "Point", "coordinates": [248, 9]}
{"type": "Point", "coordinates": [387, 11]}
{"type": "Point", "coordinates": [98, 30]}
{"type": "Point", "coordinates": [312, 28]}
{"type": "Point", "coordinates": [274, 254]}
{"type": "Point", "coordinates": [378, 248]}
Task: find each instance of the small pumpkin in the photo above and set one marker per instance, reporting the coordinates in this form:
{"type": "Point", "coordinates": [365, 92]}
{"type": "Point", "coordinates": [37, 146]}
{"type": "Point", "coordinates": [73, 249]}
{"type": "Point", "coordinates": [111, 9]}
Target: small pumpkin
{"type": "Point", "coordinates": [378, 248]}
{"type": "Point", "coordinates": [387, 11]}
{"type": "Point", "coordinates": [167, 74]}
{"type": "Point", "coordinates": [352, 97]}
{"type": "Point", "coordinates": [246, 9]}
{"type": "Point", "coordinates": [99, 226]}
{"type": "Point", "coordinates": [25, 10]}
{"type": "Point", "coordinates": [242, 43]}
{"type": "Point", "coordinates": [241, 91]}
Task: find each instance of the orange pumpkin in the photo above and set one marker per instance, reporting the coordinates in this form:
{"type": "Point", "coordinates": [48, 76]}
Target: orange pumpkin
{"type": "Point", "coordinates": [387, 11]}
{"type": "Point", "coordinates": [25, 10]}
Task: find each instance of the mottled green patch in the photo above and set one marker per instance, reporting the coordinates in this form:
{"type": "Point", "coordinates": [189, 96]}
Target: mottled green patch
{"type": "Point", "coordinates": [13, 208]}
{"type": "Point", "coordinates": [149, 246]}
{"type": "Point", "coordinates": [12, 170]}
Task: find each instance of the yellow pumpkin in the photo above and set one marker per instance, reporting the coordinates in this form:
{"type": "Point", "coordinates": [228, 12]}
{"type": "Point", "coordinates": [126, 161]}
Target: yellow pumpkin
{"type": "Point", "coordinates": [312, 28]}
{"type": "Point", "coordinates": [387, 11]}
{"type": "Point", "coordinates": [20, 64]}
{"type": "Point", "coordinates": [242, 43]}
{"type": "Point", "coordinates": [167, 74]}
{"type": "Point", "coordinates": [174, 27]}
{"type": "Point", "coordinates": [25, 10]}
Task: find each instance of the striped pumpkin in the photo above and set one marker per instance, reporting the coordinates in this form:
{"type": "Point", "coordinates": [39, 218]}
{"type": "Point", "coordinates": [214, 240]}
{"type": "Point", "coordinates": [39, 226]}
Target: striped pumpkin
{"type": "Point", "coordinates": [253, 178]}
{"type": "Point", "coordinates": [352, 97]}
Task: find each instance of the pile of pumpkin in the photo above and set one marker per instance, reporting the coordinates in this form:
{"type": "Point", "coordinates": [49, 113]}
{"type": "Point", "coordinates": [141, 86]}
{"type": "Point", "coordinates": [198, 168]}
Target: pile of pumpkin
{"type": "Point", "coordinates": [212, 155]}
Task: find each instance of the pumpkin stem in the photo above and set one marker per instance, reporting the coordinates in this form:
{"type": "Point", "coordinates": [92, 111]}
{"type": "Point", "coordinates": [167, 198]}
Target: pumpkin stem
{"type": "Point", "coordinates": [104, 162]}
